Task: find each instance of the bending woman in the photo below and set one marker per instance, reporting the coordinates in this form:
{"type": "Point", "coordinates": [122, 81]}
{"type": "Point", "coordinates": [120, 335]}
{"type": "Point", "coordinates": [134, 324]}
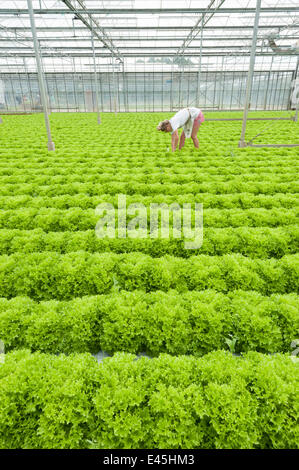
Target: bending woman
{"type": "Point", "coordinates": [188, 118]}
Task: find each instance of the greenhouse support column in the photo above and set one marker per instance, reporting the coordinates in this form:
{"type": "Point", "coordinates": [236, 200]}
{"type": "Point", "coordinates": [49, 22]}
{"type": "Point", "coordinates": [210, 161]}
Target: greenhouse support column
{"type": "Point", "coordinates": [268, 83]}
{"type": "Point", "coordinates": [124, 87]}
{"type": "Point", "coordinates": [180, 86]}
{"type": "Point", "coordinates": [114, 88]}
{"type": "Point", "coordinates": [95, 79]}
{"type": "Point", "coordinates": [51, 145]}
{"type": "Point", "coordinates": [117, 89]}
{"type": "Point", "coordinates": [171, 88]}
{"type": "Point", "coordinates": [115, 94]}
{"type": "Point", "coordinates": [222, 81]}
{"type": "Point", "coordinates": [28, 83]}
{"type": "Point", "coordinates": [297, 91]}
{"type": "Point", "coordinates": [44, 78]}
{"type": "Point", "coordinates": [200, 58]}
{"type": "Point", "coordinates": [242, 142]}
{"type": "Point", "coordinates": [182, 83]}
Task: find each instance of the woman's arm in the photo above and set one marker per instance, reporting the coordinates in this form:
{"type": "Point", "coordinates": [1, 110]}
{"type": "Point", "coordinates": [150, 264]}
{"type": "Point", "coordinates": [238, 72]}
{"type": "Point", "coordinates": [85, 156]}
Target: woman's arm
{"type": "Point", "coordinates": [174, 140]}
{"type": "Point", "coordinates": [182, 140]}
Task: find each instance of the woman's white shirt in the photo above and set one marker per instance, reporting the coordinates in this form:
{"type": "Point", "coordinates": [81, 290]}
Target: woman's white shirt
{"type": "Point", "coordinates": [184, 118]}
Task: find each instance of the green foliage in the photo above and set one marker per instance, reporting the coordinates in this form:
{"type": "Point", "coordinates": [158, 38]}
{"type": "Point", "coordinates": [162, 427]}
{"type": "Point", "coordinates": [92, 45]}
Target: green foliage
{"type": "Point", "coordinates": [145, 189]}
{"type": "Point", "coordinates": [85, 201]}
{"type": "Point", "coordinates": [258, 242]}
{"type": "Point", "coordinates": [74, 219]}
{"type": "Point", "coordinates": [63, 291]}
{"type": "Point", "coordinates": [176, 323]}
{"type": "Point", "coordinates": [218, 401]}
{"type": "Point", "coordinates": [48, 275]}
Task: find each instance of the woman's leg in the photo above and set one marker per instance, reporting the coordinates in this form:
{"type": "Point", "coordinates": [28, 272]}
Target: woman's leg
{"type": "Point", "coordinates": [195, 130]}
{"type": "Point", "coordinates": [182, 140]}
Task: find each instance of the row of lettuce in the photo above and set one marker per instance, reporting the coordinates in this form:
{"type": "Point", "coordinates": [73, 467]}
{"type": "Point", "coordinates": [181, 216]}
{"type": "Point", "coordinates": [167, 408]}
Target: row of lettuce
{"type": "Point", "coordinates": [217, 201]}
{"type": "Point", "coordinates": [103, 170]}
{"type": "Point", "coordinates": [74, 219]}
{"type": "Point", "coordinates": [155, 176]}
{"type": "Point", "coordinates": [257, 242]}
{"type": "Point", "coordinates": [191, 323]}
{"type": "Point", "coordinates": [49, 275]}
{"type": "Point", "coordinates": [36, 188]}
{"type": "Point", "coordinates": [146, 157]}
{"type": "Point", "coordinates": [218, 401]}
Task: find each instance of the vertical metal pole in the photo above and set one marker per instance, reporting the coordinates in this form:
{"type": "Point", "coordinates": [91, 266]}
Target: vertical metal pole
{"type": "Point", "coordinates": [180, 88]}
{"type": "Point", "coordinates": [183, 87]}
{"type": "Point", "coordinates": [241, 101]}
{"type": "Point", "coordinates": [51, 145]}
{"type": "Point", "coordinates": [117, 88]}
{"type": "Point", "coordinates": [232, 90]}
{"type": "Point", "coordinates": [197, 87]}
{"type": "Point", "coordinates": [279, 90]}
{"type": "Point", "coordinates": [285, 90]}
{"type": "Point", "coordinates": [66, 92]}
{"type": "Point", "coordinates": [95, 77]}
{"type": "Point", "coordinates": [12, 94]}
{"type": "Point", "coordinates": [28, 82]}
{"type": "Point", "coordinates": [242, 142]}
{"type": "Point", "coordinates": [284, 103]}
{"type": "Point", "coordinates": [200, 59]}
{"type": "Point", "coordinates": [153, 89]}
{"type": "Point", "coordinates": [109, 88]}
{"type": "Point", "coordinates": [171, 89]}
{"type": "Point", "coordinates": [268, 82]}
{"type": "Point", "coordinates": [125, 87]}
{"type": "Point", "coordinates": [101, 90]}
{"type": "Point", "coordinates": [297, 88]}
{"type": "Point", "coordinates": [56, 91]}
{"type": "Point", "coordinates": [136, 87]}
{"type": "Point", "coordinates": [162, 87]}
{"type": "Point", "coordinates": [22, 91]}
{"type": "Point", "coordinates": [144, 91]}
{"type": "Point", "coordinates": [44, 77]}
{"type": "Point", "coordinates": [188, 90]}
{"type": "Point", "coordinates": [222, 81]}
{"type": "Point", "coordinates": [74, 85]}
{"type": "Point", "coordinates": [275, 90]}
{"type": "Point", "coordinates": [84, 91]}
{"type": "Point", "coordinates": [214, 87]}
{"type": "Point", "coordinates": [114, 88]}
{"type": "Point", "coordinates": [256, 105]}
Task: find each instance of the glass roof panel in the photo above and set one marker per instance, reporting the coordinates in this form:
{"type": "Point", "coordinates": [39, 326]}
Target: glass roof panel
{"type": "Point", "coordinates": [148, 35]}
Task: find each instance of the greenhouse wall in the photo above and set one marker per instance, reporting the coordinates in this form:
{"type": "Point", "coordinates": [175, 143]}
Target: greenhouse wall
{"type": "Point", "coordinates": [148, 91]}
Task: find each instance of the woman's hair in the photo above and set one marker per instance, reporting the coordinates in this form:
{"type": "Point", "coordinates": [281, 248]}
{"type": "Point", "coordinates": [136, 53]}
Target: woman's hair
{"type": "Point", "coordinates": [163, 125]}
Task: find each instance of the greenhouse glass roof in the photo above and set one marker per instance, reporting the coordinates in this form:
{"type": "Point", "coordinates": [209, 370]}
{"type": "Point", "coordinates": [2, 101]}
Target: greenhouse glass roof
{"type": "Point", "coordinates": [155, 35]}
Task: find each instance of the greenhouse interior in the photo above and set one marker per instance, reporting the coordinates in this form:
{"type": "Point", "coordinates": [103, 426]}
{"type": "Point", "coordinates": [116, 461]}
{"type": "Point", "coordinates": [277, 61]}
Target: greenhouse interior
{"type": "Point", "coordinates": [149, 226]}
